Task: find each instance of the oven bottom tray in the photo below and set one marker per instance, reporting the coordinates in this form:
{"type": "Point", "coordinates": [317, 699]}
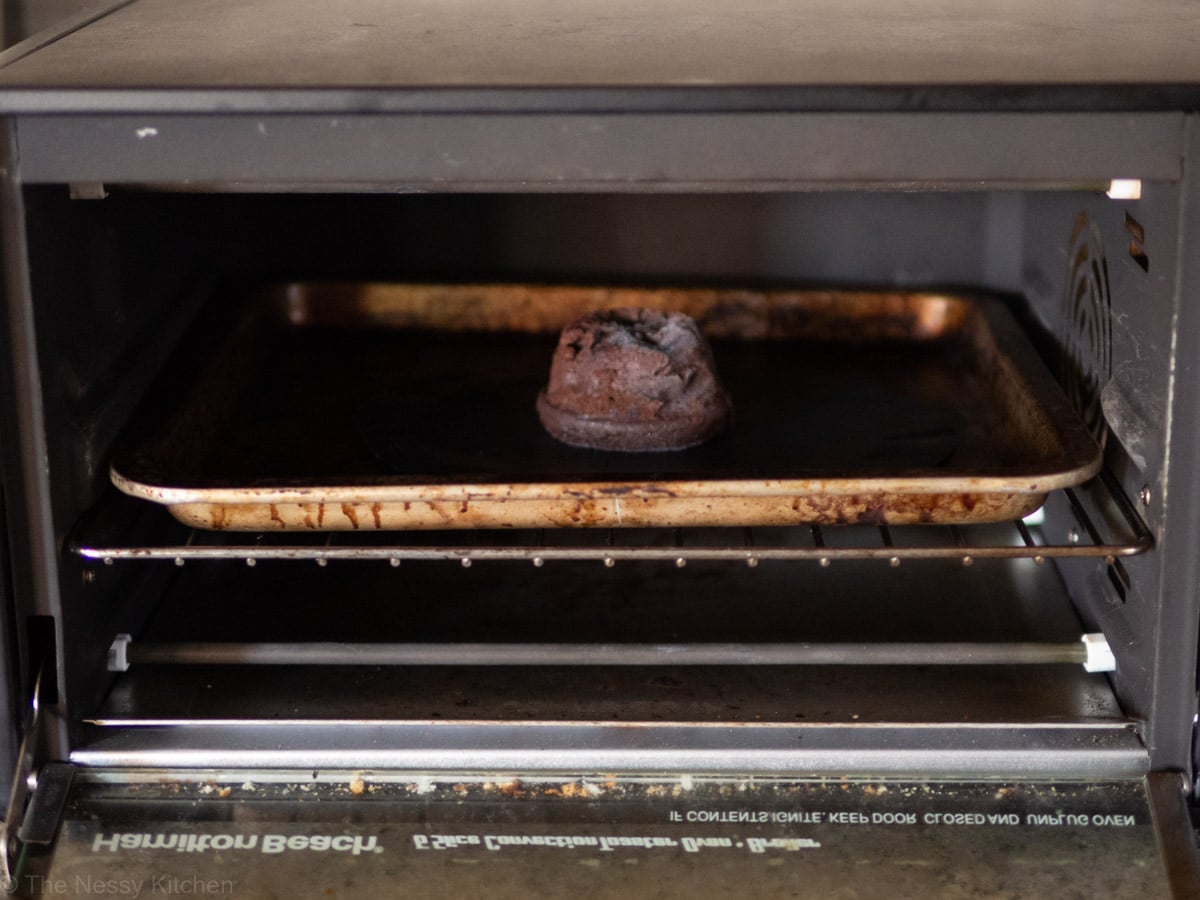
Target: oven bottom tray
{"type": "Point", "coordinates": [377, 407]}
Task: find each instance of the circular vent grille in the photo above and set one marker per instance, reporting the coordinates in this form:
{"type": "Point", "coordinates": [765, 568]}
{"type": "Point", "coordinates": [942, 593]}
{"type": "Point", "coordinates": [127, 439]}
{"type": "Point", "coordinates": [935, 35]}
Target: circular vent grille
{"type": "Point", "coordinates": [1087, 315]}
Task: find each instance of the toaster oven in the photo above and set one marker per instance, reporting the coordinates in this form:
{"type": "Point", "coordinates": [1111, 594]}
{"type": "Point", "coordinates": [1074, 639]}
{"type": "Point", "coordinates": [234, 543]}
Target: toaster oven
{"type": "Point", "coordinates": [265, 262]}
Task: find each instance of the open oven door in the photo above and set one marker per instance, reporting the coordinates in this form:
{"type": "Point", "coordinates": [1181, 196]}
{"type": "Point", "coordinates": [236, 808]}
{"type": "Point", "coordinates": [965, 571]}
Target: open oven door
{"type": "Point", "coordinates": [322, 834]}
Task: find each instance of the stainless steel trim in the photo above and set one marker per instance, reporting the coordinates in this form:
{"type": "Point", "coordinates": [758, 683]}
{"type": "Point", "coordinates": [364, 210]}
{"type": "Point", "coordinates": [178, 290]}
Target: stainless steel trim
{"type": "Point", "coordinates": [1005, 750]}
{"type": "Point", "coordinates": [627, 152]}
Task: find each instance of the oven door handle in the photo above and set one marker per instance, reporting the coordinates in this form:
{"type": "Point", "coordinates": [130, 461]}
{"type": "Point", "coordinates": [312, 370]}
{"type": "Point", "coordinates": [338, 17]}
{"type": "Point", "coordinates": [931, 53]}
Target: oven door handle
{"type": "Point", "coordinates": [37, 797]}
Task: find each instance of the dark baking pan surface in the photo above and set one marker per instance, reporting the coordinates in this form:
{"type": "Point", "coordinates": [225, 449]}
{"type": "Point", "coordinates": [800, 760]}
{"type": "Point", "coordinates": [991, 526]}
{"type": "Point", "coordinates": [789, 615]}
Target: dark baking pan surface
{"type": "Point", "coordinates": [326, 389]}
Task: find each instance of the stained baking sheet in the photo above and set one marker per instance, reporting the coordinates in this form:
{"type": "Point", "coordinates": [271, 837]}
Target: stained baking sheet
{"type": "Point", "coordinates": [365, 406]}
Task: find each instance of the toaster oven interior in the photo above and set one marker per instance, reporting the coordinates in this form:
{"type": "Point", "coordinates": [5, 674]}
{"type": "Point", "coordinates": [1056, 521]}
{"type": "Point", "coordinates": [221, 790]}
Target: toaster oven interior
{"type": "Point", "coordinates": [119, 276]}
{"type": "Point", "coordinates": [117, 281]}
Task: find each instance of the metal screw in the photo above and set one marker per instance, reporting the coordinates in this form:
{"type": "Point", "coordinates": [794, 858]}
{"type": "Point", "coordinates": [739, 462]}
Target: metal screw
{"type": "Point", "coordinates": [251, 561]}
{"type": "Point", "coordinates": [968, 561]}
{"type": "Point", "coordinates": [825, 562]}
{"type": "Point", "coordinates": [322, 561]}
{"type": "Point", "coordinates": [395, 562]}
{"type": "Point", "coordinates": [1073, 536]}
{"type": "Point", "coordinates": [609, 562]}
{"type": "Point", "coordinates": [466, 563]}
{"type": "Point", "coordinates": [752, 562]}
{"type": "Point", "coordinates": [538, 562]}
{"type": "Point", "coordinates": [680, 563]}
{"type": "Point", "coordinates": [1144, 495]}
{"type": "Point", "coordinates": [89, 576]}
{"type": "Point", "coordinates": [894, 561]}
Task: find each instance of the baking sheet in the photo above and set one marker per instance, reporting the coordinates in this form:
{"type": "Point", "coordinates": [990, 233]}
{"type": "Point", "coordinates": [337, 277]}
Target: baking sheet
{"type": "Point", "coordinates": [370, 406]}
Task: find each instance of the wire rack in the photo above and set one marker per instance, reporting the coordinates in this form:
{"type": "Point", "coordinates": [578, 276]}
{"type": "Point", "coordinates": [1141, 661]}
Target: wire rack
{"type": "Point", "coordinates": [1102, 524]}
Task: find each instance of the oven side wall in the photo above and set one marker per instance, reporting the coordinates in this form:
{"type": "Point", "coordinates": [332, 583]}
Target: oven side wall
{"type": "Point", "coordinates": [30, 542]}
{"type": "Point", "coordinates": [1126, 275]}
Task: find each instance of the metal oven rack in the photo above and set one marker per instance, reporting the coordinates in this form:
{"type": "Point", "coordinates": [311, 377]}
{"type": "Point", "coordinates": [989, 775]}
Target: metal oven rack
{"type": "Point", "coordinates": [1105, 526]}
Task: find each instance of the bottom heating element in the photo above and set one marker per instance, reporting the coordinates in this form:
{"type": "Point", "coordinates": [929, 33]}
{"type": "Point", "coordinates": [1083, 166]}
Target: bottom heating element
{"type": "Point", "coordinates": [443, 709]}
{"type": "Point", "coordinates": [1091, 651]}
{"type": "Point", "coordinates": [363, 834]}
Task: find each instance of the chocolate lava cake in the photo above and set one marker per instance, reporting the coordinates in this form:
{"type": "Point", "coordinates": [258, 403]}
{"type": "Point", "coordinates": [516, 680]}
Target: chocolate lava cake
{"type": "Point", "coordinates": [633, 380]}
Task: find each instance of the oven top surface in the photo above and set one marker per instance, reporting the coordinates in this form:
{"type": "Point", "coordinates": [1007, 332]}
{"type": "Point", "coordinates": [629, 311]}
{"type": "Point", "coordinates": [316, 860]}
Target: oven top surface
{"type": "Point", "coordinates": [866, 49]}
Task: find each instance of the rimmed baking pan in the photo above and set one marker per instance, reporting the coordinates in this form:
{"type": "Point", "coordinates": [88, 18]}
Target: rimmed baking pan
{"type": "Point", "coordinates": [341, 406]}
